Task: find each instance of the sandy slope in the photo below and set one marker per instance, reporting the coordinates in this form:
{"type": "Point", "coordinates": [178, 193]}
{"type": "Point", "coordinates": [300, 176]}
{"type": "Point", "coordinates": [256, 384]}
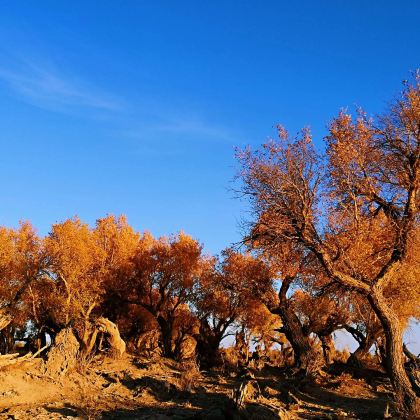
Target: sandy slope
{"type": "Point", "coordinates": [137, 388]}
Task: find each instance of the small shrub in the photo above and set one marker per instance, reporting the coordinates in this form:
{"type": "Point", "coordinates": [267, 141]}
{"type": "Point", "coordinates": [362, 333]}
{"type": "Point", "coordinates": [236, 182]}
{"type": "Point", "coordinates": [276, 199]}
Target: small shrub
{"type": "Point", "coordinates": [83, 361]}
{"type": "Point", "coordinates": [342, 356]}
{"type": "Point", "coordinates": [189, 377]}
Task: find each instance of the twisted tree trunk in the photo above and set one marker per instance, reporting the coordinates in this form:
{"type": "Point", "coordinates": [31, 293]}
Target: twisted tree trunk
{"type": "Point", "coordinates": [405, 395]}
{"type": "Point", "coordinates": [62, 357]}
{"type": "Point", "coordinates": [166, 331]}
{"type": "Point", "coordinates": [292, 328]}
{"type": "Point", "coordinates": [208, 342]}
{"type": "Point", "coordinates": [365, 343]}
{"type": "Point", "coordinates": [116, 343]}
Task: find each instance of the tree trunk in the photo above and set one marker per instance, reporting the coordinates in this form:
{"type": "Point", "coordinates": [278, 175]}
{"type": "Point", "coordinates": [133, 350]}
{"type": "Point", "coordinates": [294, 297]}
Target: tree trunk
{"type": "Point", "coordinates": [5, 319]}
{"type": "Point", "coordinates": [328, 348]}
{"type": "Point", "coordinates": [208, 350]}
{"type": "Point", "coordinates": [10, 336]}
{"type": "Point", "coordinates": [166, 331]}
{"type": "Point", "coordinates": [116, 343]}
{"type": "Point", "coordinates": [89, 339]}
{"type": "Point", "coordinates": [63, 355]}
{"type": "Point", "coordinates": [293, 330]}
{"type": "Point", "coordinates": [361, 353]}
{"type": "Point", "coordinates": [405, 396]}
{"type": "Point", "coordinates": [208, 342]}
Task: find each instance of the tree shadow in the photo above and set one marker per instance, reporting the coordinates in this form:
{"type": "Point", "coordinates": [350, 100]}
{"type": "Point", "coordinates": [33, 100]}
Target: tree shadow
{"type": "Point", "coordinates": [360, 406]}
{"type": "Point", "coordinates": [160, 389]}
{"type": "Point", "coordinates": [68, 410]}
{"type": "Point", "coordinates": [152, 413]}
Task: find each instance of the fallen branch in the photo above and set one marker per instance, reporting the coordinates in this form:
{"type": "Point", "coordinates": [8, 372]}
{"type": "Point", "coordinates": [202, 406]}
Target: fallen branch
{"type": "Point", "coordinates": [40, 351]}
{"type": "Point", "coordinates": [11, 359]}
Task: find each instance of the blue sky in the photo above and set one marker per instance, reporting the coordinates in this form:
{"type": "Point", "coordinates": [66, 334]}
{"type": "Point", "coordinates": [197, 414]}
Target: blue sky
{"type": "Point", "coordinates": [135, 107]}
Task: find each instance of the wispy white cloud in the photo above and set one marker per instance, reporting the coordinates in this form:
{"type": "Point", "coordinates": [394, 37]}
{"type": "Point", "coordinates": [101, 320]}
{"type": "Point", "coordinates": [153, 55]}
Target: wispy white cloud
{"type": "Point", "coordinates": [175, 130]}
{"type": "Point", "coordinates": [43, 84]}
{"type": "Point", "coordinates": [195, 127]}
{"type": "Point", "coordinates": [44, 87]}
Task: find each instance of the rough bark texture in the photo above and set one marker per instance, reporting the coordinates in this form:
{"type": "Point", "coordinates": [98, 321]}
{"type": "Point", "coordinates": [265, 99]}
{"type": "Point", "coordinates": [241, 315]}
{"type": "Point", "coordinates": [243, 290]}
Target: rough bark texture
{"type": "Point", "coordinates": [116, 343]}
{"type": "Point", "coordinates": [405, 395]}
{"type": "Point", "coordinates": [365, 341]}
{"type": "Point", "coordinates": [208, 351]}
{"type": "Point", "coordinates": [62, 357]}
{"type": "Point", "coordinates": [89, 341]}
{"type": "Point", "coordinates": [148, 343]}
{"type": "Point", "coordinates": [304, 354]}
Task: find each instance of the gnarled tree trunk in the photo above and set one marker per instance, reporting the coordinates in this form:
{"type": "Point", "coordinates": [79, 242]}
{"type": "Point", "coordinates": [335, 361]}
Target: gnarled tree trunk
{"type": "Point", "coordinates": [405, 395]}
{"type": "Point", "coordinates": [328, 348]}
{"type": "Point", "coordinates": [166, 334]}
{"type": "Point", "coordinates": [63, 355]}
{"type": "Point", "coordinates": [116, 343]}
{"type": "Point", "coordinates": [208, 343]}
{"type": "Point", "coordinates": [365, 343]}
{"type": "Point", "coordinates": [304, 354]}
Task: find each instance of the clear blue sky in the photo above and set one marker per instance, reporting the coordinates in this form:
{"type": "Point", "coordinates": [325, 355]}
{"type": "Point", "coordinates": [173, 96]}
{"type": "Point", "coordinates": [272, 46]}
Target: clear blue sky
{"type": "Point", "coordinates": [135, 107]}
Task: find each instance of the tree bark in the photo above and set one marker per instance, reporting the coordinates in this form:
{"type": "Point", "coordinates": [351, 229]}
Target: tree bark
{"type": "Point", "coordinates": [361, 353]}
{"type": "Point", "coordinates": [7, 339]}
{"type": "Point", "coordinates": [89, 339]}
{"type": "Point", "coordinates": [299, 341]}
{"type": "Point", "coordinates": [328, 348]}
{"type": "Point", "coordinates": [208, 341]}
{"type": "Point", "coordinates": [208, 349]}
{"type": "Point", "coordinates": [405, 395]}
{"type": "Point", "coordinates": [63, 355]}
{"type": "Point", "coordinates": [293, 329]}
{"type": "Point", "coordinates": [116, 343]}
{"type": "Point", "coordinates": [166, 331]}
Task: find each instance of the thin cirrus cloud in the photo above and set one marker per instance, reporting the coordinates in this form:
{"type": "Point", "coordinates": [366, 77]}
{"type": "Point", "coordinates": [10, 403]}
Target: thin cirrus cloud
{"type": "Point", "coordinates": [45, 88]}
{"type": "Point", "coordinates": [177, 134]}
{"type": "Point", "coordinates": [41, 85]}
{"type": "Point", "coordinates": [196, 126]}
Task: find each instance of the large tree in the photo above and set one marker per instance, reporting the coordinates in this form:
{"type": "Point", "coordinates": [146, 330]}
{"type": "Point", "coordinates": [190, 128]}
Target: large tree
{"type": "Point", "coordinates": [354, 208]}
{"type": "Point", "coordinates": [161, 280]}
{"type": "Point", "coordinates": [81, 263]}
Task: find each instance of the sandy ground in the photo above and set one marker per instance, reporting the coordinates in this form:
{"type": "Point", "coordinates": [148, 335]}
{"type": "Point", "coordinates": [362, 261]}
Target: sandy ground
{"type": "Point", "coordinates": [134, 388]}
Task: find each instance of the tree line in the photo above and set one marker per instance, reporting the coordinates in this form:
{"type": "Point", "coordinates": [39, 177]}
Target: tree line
{"type": "Point", "coordinates": [333, 243]}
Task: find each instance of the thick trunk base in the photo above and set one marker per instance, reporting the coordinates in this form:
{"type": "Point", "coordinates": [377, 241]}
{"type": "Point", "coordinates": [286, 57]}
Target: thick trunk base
{"type": "Point", "coordinates": [406, 399]}
{"type": "Point", "coordinates": [116, 343]}
{"type": "Point", "coordinates": [62, 357]}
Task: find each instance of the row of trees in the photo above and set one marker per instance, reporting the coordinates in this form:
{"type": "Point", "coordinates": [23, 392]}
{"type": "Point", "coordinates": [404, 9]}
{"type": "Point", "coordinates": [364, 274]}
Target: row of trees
{"type": "Point", "coordinates": [80, 276]}
{"type": "Point", "coordinates": [333, 244]}
{"type": "Point", "coordinates": [168, 290]}
{"type": "Point", "coordinates": [164, 294]}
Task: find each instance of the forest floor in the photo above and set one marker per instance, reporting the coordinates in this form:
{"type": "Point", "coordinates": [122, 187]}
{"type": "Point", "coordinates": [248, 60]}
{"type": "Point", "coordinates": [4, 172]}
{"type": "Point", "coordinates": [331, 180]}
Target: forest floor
{"type": "Point", "coordinates": [136, 388]}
